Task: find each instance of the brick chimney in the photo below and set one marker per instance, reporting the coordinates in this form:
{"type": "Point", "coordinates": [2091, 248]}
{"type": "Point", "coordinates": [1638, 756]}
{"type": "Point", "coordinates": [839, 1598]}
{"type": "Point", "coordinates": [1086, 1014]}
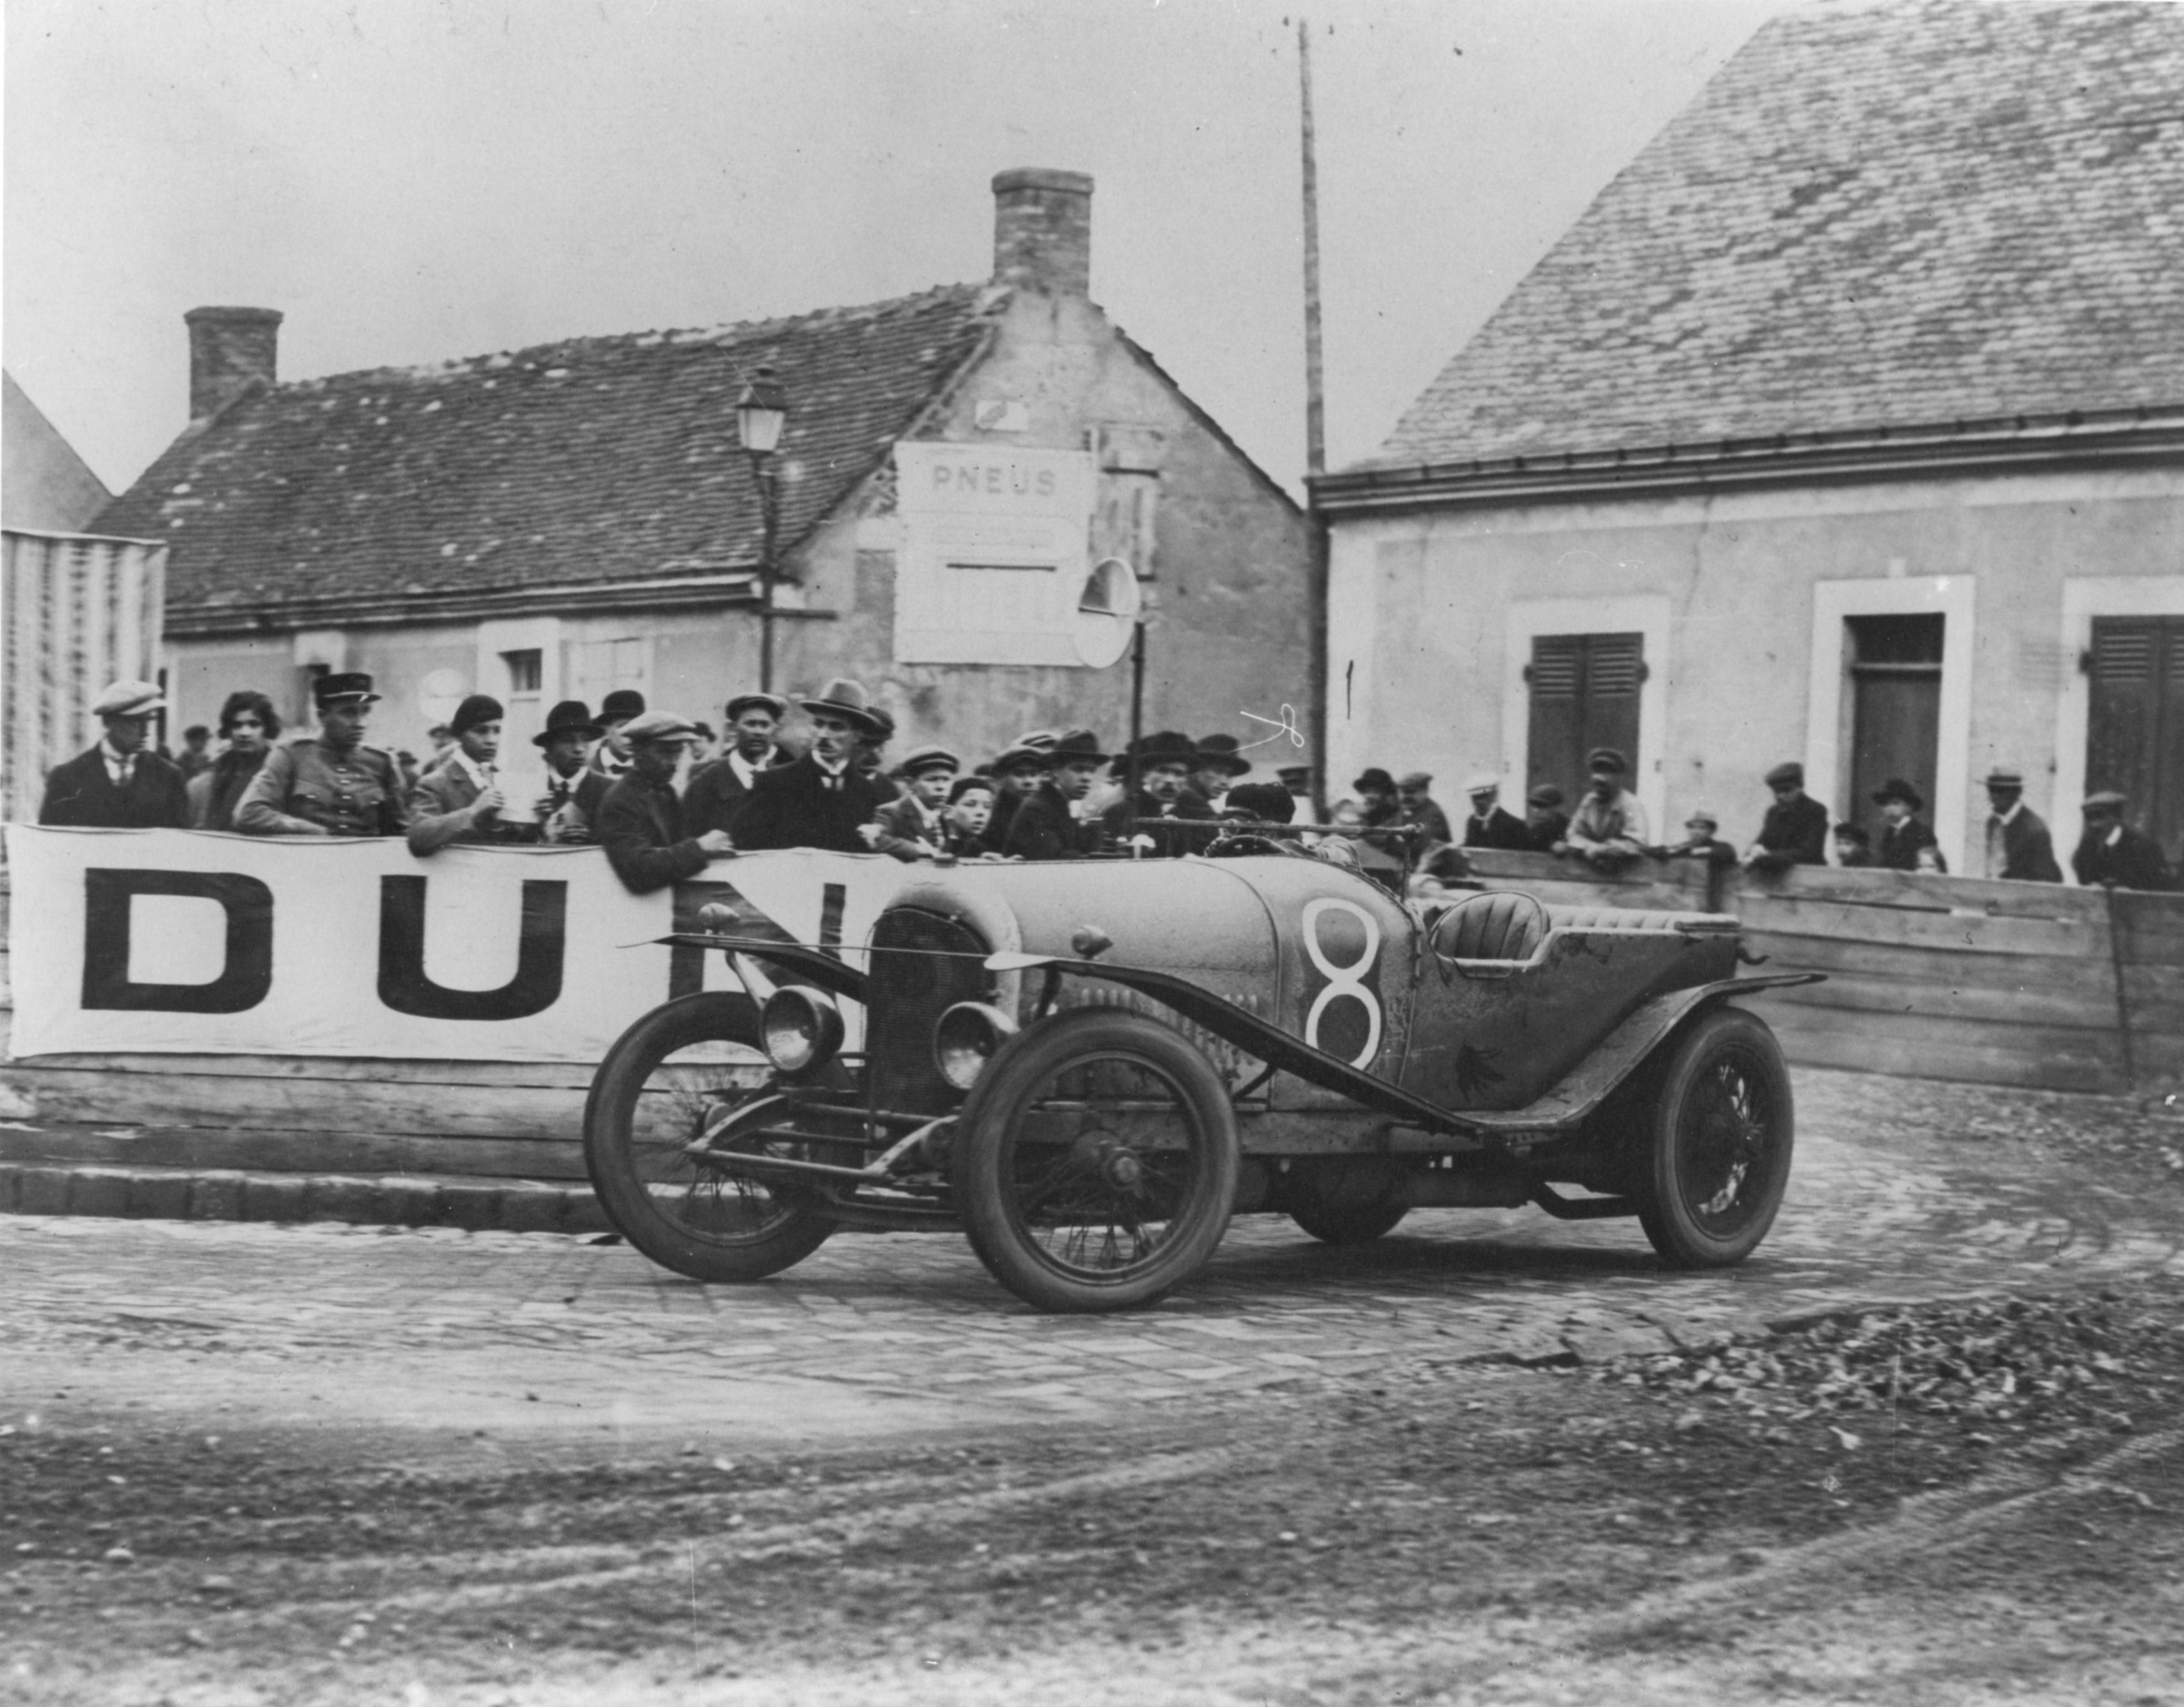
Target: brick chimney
{"type": "Point", "coordinates": [1043, 230]}
{"type": "Point", "coordinates": [229, 348]}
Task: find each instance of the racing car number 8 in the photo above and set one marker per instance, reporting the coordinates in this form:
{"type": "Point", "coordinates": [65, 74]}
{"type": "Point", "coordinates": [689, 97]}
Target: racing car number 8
{"type": "Point", "coordinates": [1342, 980]}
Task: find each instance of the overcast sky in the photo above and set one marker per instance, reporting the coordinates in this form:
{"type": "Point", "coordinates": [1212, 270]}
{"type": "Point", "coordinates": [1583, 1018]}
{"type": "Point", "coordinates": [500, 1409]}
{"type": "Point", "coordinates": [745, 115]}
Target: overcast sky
{"type": "Point", "coordinates": [413, 180]}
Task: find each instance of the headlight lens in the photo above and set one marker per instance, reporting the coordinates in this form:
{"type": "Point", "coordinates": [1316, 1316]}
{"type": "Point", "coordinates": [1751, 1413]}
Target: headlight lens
{"type": "Point", "coordinates": [966, 1039]}
{"type": "Point", "coordinates": [799, 1028]}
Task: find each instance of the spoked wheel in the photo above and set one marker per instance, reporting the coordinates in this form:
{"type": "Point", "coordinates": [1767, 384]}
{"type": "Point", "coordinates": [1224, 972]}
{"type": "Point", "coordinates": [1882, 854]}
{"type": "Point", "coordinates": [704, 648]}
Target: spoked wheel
{"type": "Point", "coordinates": [1723, 1130]}
{"type": "Point", "coordinates": [1095, 1161]}
{"type": "Point", "coordinates": [668, 1079]}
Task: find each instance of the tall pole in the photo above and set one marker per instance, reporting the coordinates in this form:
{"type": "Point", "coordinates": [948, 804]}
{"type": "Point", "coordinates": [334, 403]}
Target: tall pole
{"type": "Point", "coordinates": [769, 508]}
{"type": "Point", "coordinates": [1315, 440]}
{"type": "Point", "coordinates": [1137, 734]}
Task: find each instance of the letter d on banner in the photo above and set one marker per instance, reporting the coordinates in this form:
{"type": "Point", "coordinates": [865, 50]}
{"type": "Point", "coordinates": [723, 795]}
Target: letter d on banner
{"type": "Point", "coordinates": [244, 981]}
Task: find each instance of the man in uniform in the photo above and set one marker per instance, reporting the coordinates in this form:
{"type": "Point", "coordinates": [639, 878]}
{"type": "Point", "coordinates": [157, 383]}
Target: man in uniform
{"type": "Point", "coordinates": [1044, 828]}
{"type": "Point", "coordinates": [461, 801]}
{"type": "Point", "coordinates": [710, 802]}
{"type": "Point", "coordinates": [1489, 826]}
{"type": "Point", "coordinates": [1906, 843]}
{"type": "Point", "coordinates": [915, 826]}
{"type": "Point", "coordinates": [1608, 828]}
{"type": "Point", "coordinates": [2018, 845]}
{"type": "Point", "coordinates": [119, 783]}
{"type": "Point", "coordinates": [1415, 805]}
{"type": "Point", "coordinates": [823, 800]}
{"type": "Point", "coordinates": [330, 784]}
{"type": "Point", "coordinates": [640, 821]}
{"type": "Point", "coordinates": [1794, 830]}
{"type": "Point", "coordinates": [1168, 809]}
{"type": "Point", "coordinates": [567, 741]}
{"type": "Point", "coordinates": [2112, 851]}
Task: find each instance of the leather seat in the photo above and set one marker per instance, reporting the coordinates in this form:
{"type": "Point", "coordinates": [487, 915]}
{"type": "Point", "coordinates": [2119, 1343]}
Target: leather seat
{"type": "Point", "coordinates": [1616, 918]}
{"type": "Point", "coordinates": [1500, 924]}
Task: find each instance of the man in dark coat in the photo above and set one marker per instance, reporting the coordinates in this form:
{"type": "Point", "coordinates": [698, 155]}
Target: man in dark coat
{"type": "Point", "coordinates": [640, 822]}
{"type": "Point", "coordinates": [1546, 822]}
{"type": "Point", "coordinates": [1168, 810]}
{"type": "Point", "coordinates": [1795, 831]}
{"type": "Point", "coordinates": [715, 789]}
{"type": "Point", "coordinates": [1906, 843]}
{"type": "Point", "coordinates": [1214, 768]}
{"type": "Point", "coordinates": [566, 743]}
{"type": "Point", "coordinates": [1701, 840]}
{"type": "Point", "coordinates": [2112, 851]}
{"type": "Point", "coordinates": [1043, 826]}
{"type": "Point", "coordinates": [2018, 845]}
{"type": "Point", "coordinates": [1489, 826]}
{"type": "Point", "coordinates": [610, 758]}
{"type": "Point", "coordinates": [1017, 772]}
{"type": "Point", "coordinates": [120, 784]}
{"type": "Point", "coordinates": [1415, 805]}
{"type": "Point", "coordinates": [823, 799]}
{"type": "Point", "coordinates": [1853, 847]}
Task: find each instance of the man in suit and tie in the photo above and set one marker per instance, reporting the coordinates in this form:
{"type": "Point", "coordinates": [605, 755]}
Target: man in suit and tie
{"type": "Point", "coordinates": [567, 741]}
{"type": "Point", "coordinates": [610, 758]}
{"type": "Point", "coordinates": [715, 789]}
{"type": "Point", "coordinates": [1489, 826]}
{"type": "Point", "coordinates": [823, 800]}
{"type": "Point", "coordinates": [640, 822]}
{"type": "Point", "coordinates": [2018, 845]}
{"type": "Point", "coordinates": [120, 784]}
{"type": "Point", "coordinates": [915, 825]}
{"type": "Point", "coordinates": [461, 801]}
{"type": "Point", "coordinates": [1169, 813]}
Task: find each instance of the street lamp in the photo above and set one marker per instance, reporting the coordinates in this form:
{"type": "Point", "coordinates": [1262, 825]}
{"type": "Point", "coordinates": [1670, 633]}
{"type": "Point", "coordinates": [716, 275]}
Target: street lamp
{"type": "Point", "coordinates": [761, 412]}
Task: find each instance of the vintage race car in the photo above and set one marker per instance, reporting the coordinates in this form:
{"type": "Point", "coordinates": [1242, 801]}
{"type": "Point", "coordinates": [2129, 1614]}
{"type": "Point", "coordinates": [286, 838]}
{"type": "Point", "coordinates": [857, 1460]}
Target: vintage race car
{"type": "Point", "coordinates": [1090, 1068]}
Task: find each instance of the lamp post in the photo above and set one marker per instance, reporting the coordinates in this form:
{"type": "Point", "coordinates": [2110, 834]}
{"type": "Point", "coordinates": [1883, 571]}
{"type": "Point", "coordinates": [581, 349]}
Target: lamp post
{"type": "Point", "coordinates": [761, 412]}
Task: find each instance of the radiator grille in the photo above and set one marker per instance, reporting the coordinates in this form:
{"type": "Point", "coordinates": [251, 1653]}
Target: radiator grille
{"type": "Point", "coordinates": [910, 991]}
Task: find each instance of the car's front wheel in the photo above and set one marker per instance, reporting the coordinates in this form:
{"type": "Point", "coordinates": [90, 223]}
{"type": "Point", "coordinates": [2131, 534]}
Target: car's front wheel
{"type": "Point", "coordinates": [1097, 1161]}
{"type": "Point", "coordinates": [1723, 1130]}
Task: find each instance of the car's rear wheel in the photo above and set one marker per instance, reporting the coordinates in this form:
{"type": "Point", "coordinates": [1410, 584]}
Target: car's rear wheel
{"type": "Point", "coordinates": [1723, 1131]}
{"type": "Point", "coordinates": [669, 1079]}
{"type": "Point", "coordinates": [1097, 1161]}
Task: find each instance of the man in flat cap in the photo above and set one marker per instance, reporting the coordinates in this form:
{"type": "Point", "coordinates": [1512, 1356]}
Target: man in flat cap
{"type": "Point", "coordinates": [1018, 770]}
{"type": "Point", "coordinates": [2018, 845]}
{"type": "Point", "coordinates": [1608, 828]}
{"type": "Point", "coordinates": [1489, 826]}
{"type": "Point", "coordinates": [915, 825]}
{"type": "Point", "coordinates": [2112, 851]}
{"type": "Point", "coordinates": [330, 784]}
{"type": "Point", "coordinates": [1794, 830]}
{"type": "Point", "coordinates": [566, 742]}
{"type": "Point", "coordinates": [1415, 805]}
{"type": "Point", "coordinates": [1044, 828]}
{"type": "Point", "coordinates": [1701, 840]}
{"type": "Point", "coordinates": [1171, 818]}
{"type": "Point", "coordinates": [461, 801]}
{"type": "Point", "coordinates": [1546, 822]}
{"type": "Point", "coordinates": [710, 802]}
{"type": "Point", "coordinates": [1905, 844]}
{"type": "Point", "coordinates": [823, 800]}
{"type": "Point", "coordinates": [119, 783]}
{"type": "Point", "coordinates": [640, 821]}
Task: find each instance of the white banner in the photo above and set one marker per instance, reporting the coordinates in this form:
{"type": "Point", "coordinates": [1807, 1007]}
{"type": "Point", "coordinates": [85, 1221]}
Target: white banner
{"type": "Point", "coordinates": [178, 941]}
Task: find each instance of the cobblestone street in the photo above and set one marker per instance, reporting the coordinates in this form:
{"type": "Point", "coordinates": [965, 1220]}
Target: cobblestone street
{"type": "Point", "coordinates": [335, 1324]}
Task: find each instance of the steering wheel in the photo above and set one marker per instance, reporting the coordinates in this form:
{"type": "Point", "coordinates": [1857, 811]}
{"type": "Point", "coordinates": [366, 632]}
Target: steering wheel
{"type": "Point", "coordinates": [1236, 846]}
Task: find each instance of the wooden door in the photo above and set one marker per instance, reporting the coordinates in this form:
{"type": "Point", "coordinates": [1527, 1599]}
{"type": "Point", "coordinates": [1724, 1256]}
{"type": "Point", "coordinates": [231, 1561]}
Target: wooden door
{"type": "Point", "coordinates": [1584, 695]}
{"type": "Point", "coordinates": [2135, 734]}
{"type": "Point", "coordinates": [1896, 711]}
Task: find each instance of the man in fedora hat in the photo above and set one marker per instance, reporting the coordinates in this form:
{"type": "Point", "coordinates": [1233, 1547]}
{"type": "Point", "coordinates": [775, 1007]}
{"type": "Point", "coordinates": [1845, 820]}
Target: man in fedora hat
{"type": "Point", "coordinates": [710, 802]}
{"type": "Point", "coordinates": [1489, 826]}
{"type": "Point", "coordinates": [640, 822]}
{"type": "Point", "coordinates": [1043, 826]}
{"type": "Point", "coordinates": [119, 783]}
{"type": "Point", "coordinates": [461, 801]}
{"type": "Point", "coordinates": [1905, 843]}
{"type": "Point", "coordinates": [1018, 770]}
{"type": "Point", "coordinates": [2018, 845]}
{"type": "Point", "coordinates": [2114, 852]}
{"type": "Point", "coordinates": [566, 742]}
{"type": "Point", "coordinates": [330, 784]}
{"type": "Point", "coordinates": [823, 799]}
{"type": "Point", "coordinates": [915, 825]}
{"type": "Point", "coordinates": [1169, 809]}
{"type": "Point", "coordinates": [1214, 768]}
{"type": "Point", "coordinates": [1794, 830]}
{"type": "Point", "coordinates": [1608, 828]}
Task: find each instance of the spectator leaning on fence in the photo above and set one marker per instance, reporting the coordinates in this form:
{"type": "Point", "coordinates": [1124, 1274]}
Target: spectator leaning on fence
{"type": "Point", "coordinates": [640, 821]}
{"type": "Point", "coordinates": [1608, 829]}
{"type": "Point", "coordinates": [461, 801]}
{"type": "Point", "coordinates": [2018, 845]}
{"type": "Point", "coordinates": [1906, 843]}
{"type": "Point", "coordinates": [249, 725]}
{"type": "Point", "coordinates": [2112, 851]}
{"type": "Point", "coordinates": [1546, 822]}
{"type": "Point", "coordinates": [915, 825]}
{"type": "Point", "coordinates": [1853, 846]}
{"type": "Point", "coordinates": [1489, 826]}
{"type": "Point", "coordinates": [1701, 840]}
{"type": "Point", "coordinates": [330, 784]}
{"type": "Point", "coordinates": [825, 799]}
{"type": "Point", "coordinates": [1795, 831]}
{"type": "Point", "coordinates": [567, 741]}
{"type": "Point", "coordinates": [1044, 826]}
{"type": "Point", "coordinates": [120, 782]}
{"type": "Point", "coordinates": [714, 791]}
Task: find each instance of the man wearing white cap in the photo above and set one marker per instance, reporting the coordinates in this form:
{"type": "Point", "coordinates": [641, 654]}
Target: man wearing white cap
{"type": "Point", "coordinates": [1489, 826]}
{"type": "Point", "coordinates": [120, 784]}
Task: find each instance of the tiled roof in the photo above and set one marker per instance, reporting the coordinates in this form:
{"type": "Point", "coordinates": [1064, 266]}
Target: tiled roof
{"type": "Point", "coordinates": [1895, 215]}
{"type": "Point", "coordinates": [596, 460]}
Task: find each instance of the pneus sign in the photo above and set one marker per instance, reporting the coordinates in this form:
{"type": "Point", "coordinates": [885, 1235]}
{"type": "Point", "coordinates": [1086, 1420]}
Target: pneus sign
{"type": "Point", "coordinates": [135, 941]}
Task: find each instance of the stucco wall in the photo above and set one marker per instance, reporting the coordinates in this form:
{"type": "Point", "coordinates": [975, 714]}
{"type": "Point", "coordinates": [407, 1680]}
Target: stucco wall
{"type": "Point", "coordinates": [1427, 613]}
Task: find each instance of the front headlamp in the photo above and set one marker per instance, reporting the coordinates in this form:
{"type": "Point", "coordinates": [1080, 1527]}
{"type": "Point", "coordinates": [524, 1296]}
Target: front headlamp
{"type": "Point", "coordinates": [799, 1028]}
{"type": "Point", "coordinates": [965, 1041]}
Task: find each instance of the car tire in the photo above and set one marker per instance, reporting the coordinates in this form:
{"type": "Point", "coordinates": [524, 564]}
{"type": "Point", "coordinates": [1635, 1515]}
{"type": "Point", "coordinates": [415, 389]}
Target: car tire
{"type": "Point", "coordinates": [1723, 1131]}
{"type": "Point", "coordinates": [716, 1228]}
{"type": "Point", "coordinates": [1068, 1260]}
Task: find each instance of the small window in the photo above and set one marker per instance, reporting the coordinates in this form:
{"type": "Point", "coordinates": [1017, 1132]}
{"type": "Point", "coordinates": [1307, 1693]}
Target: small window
{"type": "Point", "coordinates": [523, 671]}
